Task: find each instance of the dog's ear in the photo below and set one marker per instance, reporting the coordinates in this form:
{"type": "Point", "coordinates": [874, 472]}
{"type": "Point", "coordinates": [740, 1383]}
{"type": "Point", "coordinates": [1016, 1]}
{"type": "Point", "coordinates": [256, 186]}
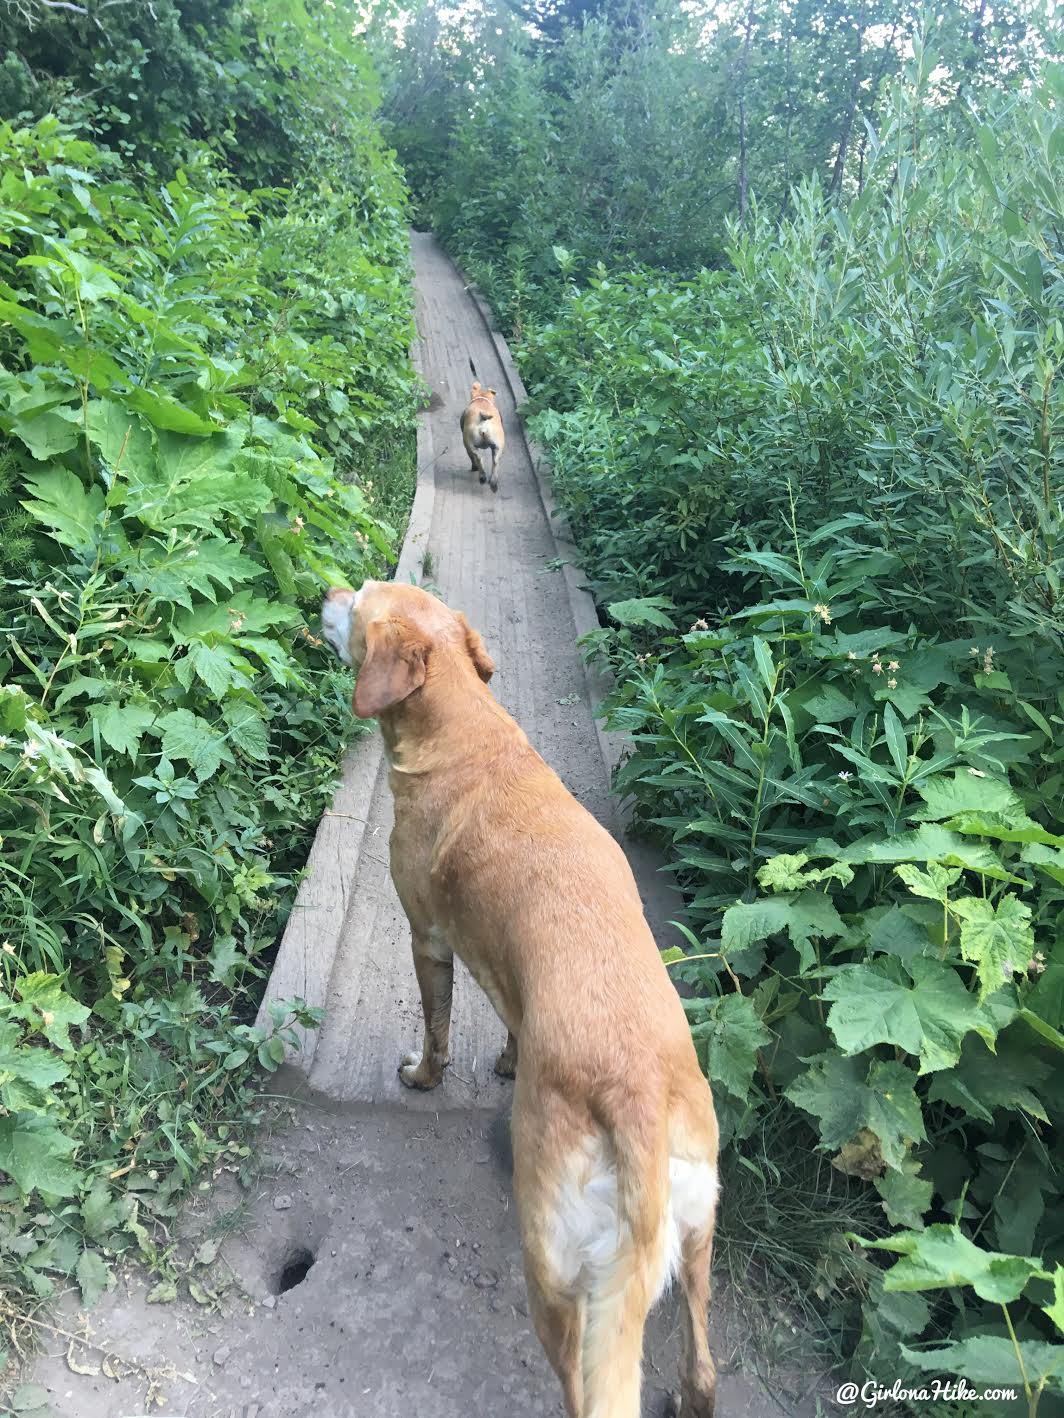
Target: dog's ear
{"type": "Point", "coordinates": [491, 393]}
{"type": "Point", "coordinates": [482, 661]}
{"type": "Point", "coordinates": [393, 668]}
{"type": "Point", "coordinates": [475, 389]}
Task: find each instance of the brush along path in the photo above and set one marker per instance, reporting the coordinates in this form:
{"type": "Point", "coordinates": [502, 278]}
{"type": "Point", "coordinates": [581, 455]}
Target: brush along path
{"type": "Point", "coordinates": [414, 1301]}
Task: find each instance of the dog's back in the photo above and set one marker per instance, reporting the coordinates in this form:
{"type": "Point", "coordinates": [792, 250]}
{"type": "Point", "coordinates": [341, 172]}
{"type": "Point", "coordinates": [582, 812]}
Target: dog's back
{"type": "Point", "coordinates": [482, 431]}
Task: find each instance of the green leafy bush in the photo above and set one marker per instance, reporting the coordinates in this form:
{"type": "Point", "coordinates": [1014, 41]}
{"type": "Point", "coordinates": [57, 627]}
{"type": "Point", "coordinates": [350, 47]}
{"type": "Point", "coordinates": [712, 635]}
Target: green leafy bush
{"type": "Point", "coordinates": [820, 495]}
{"type": "Point", "coordinates": [206, 408]}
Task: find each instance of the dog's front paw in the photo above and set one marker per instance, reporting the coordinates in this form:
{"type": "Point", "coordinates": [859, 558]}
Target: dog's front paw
{"type": "Point", "coordinates": [493, 484]}
{"type": "Point", "coordinates": [418, 1072]}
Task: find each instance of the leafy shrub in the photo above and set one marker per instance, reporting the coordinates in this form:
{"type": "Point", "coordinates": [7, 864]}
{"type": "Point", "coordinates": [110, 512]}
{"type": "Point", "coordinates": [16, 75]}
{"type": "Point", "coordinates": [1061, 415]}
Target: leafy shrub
{"type": "Point", "coordinates": [201, 394]}
{"type": "Point", "coordinates": [819, 495]}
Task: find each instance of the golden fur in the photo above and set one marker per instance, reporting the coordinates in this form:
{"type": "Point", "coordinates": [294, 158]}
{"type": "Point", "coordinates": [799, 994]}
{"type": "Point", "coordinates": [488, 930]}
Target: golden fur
{"type": "Point", "coordinates": [614, 1133]}
{"type": "Point", "coordinates": [482, 430]}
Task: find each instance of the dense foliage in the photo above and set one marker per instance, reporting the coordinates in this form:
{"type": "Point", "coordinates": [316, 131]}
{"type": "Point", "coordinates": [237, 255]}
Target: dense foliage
{"type": "Point", "coordinates": [205, 417]}
{"type": "Point", "coordinates": [818, 488]}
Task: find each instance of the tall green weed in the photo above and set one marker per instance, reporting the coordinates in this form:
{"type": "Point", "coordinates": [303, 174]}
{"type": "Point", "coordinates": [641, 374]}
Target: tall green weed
{"type": "Point", "coordinates": [820, 496]}
{"type": "Point", "coordinates": [206, 403]}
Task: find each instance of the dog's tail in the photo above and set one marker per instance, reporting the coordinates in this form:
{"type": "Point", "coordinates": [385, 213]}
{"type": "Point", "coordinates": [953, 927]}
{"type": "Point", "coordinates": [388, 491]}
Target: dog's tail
{"type": "Point", "coordinates": [627, 1284]}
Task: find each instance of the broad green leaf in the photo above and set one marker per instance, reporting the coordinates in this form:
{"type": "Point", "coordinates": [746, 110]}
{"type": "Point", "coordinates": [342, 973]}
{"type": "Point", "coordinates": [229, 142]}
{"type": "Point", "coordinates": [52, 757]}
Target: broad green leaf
{"type": "Point", "coordinates": [892, 932]}
{"type": "Point", "coordinates": [33, 1401]}
{"type": "Point", "coordinates": [66, 509]}
{"type": "Point", "coordinates": [26, 1071]}
{"type": "Point", "coordinates": [990, 1360]}
{"type": "Point", "coordinates": [124, 441]}
{"type": "Point", "coordinates": [188, 736]}
{"type": "Point", "coordinates": [942, 1256]}
{"type": "Point", "coordinates": [52, 1011]}
{"type": "Point", "coordinates": [217, 668]}
{"type": "Point", "coordinates": [164, 412]}
{"type": "Point", "coordinates": [790, 873]}
{"type": "Point", "coordinates": [933, 884]}
{"type": "Point", "coordinates": [100, 1212]}
{"type": "Point", "coordinates": [928, 1019]}
{"type": "Point", "coordinates": [997, 939]}
{"type": "Point", "coordinates": [172, 574]}
{"type": "Point", "coordinates": [1055, 1310]}
{"type": "Point", "coordinates": [33, 1153]}
{"type": "Point", "coordinates": [829, 705]}
{"type": "Point", "coordinates": [906, 1195]}
{"type": "Point", "coordinates": [806, 916]}
{"type": "Point", "coordinates": [247, 729]}
{"type": "Point", "coordinates": [122, 726]}
{"type": "Point", "coordinates": [981, 1081]}
{"type": "Point", "coordinates": [93, 1277]}
{"type": "Point", "coordinates": [225, 956]}
{"type": "Point", "coordinates": [927, 843]}
{"type": "Point", "coordinates": [846, 1096]}
{"type": "Point", "coordinates": [48, 433]}
{"type": "Point", "coordinates": [643, 610]}
{"type": "Point", "coordinates": [730, 1037]}
{"type": "Point", "coordinates": [948, 796]}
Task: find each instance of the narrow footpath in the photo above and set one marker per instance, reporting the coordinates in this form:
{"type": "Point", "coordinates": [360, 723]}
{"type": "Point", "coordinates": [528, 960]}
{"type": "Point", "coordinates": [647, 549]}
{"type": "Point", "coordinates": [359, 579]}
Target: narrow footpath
{"type": "Point", "coordinates": [372, 1268]}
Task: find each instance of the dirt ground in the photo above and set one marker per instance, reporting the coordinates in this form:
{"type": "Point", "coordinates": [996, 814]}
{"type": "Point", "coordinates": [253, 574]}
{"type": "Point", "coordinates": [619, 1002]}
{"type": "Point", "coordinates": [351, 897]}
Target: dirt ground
{"type": "Point", "coordinates": [413, 1301]}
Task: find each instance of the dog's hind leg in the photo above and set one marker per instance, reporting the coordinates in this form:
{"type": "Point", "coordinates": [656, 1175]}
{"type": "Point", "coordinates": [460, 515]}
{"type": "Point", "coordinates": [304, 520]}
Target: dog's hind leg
{"type": "Point", "coordinates": [506, 1063]}
{"type": "Point", "coordinates": [542, 1133]}
{"type": "Point", "coordinates": [496, 455]}
{"type": "Point", "coordinates": [434, 965]}
{"type": "Point", "coordinates": [698, 1381]}
{"type": "Point", "coordinates": [559, 1323]}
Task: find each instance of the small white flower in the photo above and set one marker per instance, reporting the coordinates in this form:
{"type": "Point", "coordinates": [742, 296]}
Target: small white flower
{"type": "Point", "coordinates": [845, 777]}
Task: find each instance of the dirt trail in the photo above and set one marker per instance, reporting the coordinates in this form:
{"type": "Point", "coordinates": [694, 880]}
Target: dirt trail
{"type": "Point", "coordinates": [400, 1204]}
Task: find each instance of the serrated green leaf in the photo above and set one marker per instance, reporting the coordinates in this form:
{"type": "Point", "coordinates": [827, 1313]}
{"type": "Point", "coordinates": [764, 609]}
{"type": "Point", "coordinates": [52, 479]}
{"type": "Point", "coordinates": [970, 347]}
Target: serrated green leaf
{"type": "Point", "coordinates": [188, 736]}
{"type": "Point", "coordinates": [48, 433]}
{"type": "Point", "coordinates": [948, 796]}
{"type": "Point", "coordinates": [122, 726]}
{"type": "Point", "coordinates": [729, 1039]}
{"type": "Point", "coordinates": [942, 1256]}
{"type": "Point", "coordinates": [981, 1081]}
{"type": "Point", "coordinates": [928, 1019]}
{"type": "Point", "coordinates": [642, 610]}
{"type": "Point", "coordinates": [124, 441]}
{"type": "Point", "coordinates": [846, 1096]}
{"type": "Point", "coordinates": [990, 1359]}
{"type": "Point", "coordinates": [247, 729]}
{"type": "Point", "coordinates": [932, 884]}
{"type": "Point", "coordinates": [44, 1002]}
{"type": "Point", "coordinates": [806, 916]}
{"type": "Point", "coordinates": [997, 939]}
{"type": "Point", "coordinates": [906, 1195]}
{"type": "Point", "coordinates": [64, 507]}
{"type": "Point", "coordinates": [32, 1153]}
{"type": "Point", "coordinates": [1055, 1310]}
{"type": "Point", "coordinates": [93, 1277]}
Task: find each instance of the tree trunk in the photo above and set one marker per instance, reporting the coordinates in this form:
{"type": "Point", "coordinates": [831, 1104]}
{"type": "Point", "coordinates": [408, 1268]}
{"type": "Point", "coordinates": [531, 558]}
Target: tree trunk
{"type": "Point", "coordinates": [851, 109]}
{"type": "Point", "coordinates": [744, 180]}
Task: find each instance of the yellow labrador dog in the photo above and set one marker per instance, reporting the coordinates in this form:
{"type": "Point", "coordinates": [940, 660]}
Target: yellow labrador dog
{"type": "Point", "coordinates": [482, 430]}
{"type": "Point", "coordinates": [614, 1133]}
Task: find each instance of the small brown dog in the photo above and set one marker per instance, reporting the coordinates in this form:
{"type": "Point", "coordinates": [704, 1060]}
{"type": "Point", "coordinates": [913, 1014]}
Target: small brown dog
{"type": "Point", "coordinates": [614, 1133]}
{"type": "Point", "coordinates": [482, 429]}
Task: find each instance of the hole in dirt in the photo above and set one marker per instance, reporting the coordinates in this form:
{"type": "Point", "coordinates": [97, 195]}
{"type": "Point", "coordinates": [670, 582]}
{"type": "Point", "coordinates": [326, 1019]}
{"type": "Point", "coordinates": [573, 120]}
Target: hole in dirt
{"type": "Point", "coordinates": [293, 1271]}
